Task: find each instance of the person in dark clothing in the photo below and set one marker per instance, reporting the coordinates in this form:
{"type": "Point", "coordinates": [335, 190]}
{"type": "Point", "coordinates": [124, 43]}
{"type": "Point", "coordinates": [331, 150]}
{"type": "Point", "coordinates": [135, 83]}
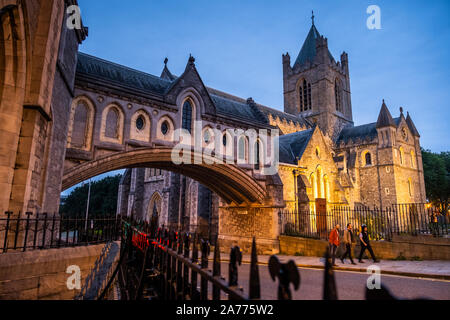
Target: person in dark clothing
{"type": "Point", "coordinates": [365, 244]}
{"type": "Point", "coordinates": [348, 241]}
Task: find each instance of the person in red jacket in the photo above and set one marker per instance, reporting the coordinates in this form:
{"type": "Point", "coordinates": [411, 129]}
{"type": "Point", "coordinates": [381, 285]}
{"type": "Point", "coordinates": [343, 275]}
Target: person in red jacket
{"type": "Point", "coordinates": [334, 243]}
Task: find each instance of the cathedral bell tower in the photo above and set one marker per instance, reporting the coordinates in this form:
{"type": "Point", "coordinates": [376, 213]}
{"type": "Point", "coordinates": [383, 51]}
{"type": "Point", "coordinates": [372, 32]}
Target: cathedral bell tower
{"type": "Point", "coordinates": [317, 87]}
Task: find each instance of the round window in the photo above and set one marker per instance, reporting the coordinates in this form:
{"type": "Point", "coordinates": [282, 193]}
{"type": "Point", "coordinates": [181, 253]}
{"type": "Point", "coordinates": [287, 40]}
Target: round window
{"type": "Point", "coordinates": [165, 127]}
{"type": "Point", "coordinates": [140, 123]}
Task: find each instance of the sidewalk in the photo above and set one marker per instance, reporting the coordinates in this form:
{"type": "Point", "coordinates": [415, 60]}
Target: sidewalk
{"type": "Point", "coordinates": [436, 269]}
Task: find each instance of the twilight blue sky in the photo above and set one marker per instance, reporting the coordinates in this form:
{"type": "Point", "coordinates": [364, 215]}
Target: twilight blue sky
{"type": "Point", "coordinates": [238, 45]}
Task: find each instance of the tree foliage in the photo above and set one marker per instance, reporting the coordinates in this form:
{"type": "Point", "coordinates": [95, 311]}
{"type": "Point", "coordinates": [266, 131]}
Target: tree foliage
{"type": "Point", "coordinates": [103, 200]}
{"type": "Point", "coordinates": [436, 169]}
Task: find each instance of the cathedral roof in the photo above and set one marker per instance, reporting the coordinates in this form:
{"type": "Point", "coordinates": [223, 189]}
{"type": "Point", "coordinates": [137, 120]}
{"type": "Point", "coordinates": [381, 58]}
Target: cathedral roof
{"type": "Point", "coordinates": [308, 51]}
{"type": "Point", "coordinates": [283, 116]}
{"type": "Point", "coordinates": [292, 146]}
{"type": "Point", "coordinates": [166, 74]}
{"type": "Point", "coordinates": [226, 104]}
{"type": "Point", "coordinates": [385, 118]}
{"type": "Point", "coordinates": [359, 132]}
{"type": "Point", "coordinates": [120, 75]}
{"type": "Point", "coordinates": [411, 126]}
{"type": "Point", "coordinates": [365, 131]}
{"type": "Point", "coordinates": [230, 106]}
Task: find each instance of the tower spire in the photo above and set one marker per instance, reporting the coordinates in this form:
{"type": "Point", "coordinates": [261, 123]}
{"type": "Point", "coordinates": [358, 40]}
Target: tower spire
{"type": "Point", "coordinates": [312, 17]}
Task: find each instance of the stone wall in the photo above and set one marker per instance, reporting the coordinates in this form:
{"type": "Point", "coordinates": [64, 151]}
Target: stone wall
{"type": "Point", "coordinates": [41, 274]}
{"type": "Point", "coordinates": [238, 226]}
{"type": "Point", "coordinates": [424, 248]}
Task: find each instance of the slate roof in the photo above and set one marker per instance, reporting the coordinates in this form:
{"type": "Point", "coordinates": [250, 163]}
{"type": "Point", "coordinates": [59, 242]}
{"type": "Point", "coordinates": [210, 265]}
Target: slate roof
{"type": "Point", "coordinates": [166, 74]}
{"type": "Point", "coordinates": [385, 118]}
{"type": "Point", "coordinates": [283, 115]}
{"type": "Point", "coordinates": [120, 75]}
{"type": "Point", "coordinates": [226, 104]}
{"type": "Point", "coordinates": [366, 131]}
{"type": "Point", "coordinates": [292, 146]}
{"type": "Point", "coordinates": [411, 126]}
{"type": "Point", "coordinates": [231, 106]}
{"type": "Point", "coordinates": [308, 51]}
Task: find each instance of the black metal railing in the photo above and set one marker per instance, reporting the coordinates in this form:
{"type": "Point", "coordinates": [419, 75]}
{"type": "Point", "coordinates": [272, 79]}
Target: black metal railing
{"type": "Point", "coordinates": [166, 265]}
{"type": "Point", "coordinates": [169, 265]}
{"type": "Point", "coordinates": [30, 231]}
{"type": "Point", "coordinates": [405, 219]}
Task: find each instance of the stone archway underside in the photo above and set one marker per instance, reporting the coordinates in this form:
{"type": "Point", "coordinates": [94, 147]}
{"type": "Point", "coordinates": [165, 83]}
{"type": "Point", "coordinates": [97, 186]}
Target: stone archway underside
{"type": "Point", "coordinates": [229, 181]}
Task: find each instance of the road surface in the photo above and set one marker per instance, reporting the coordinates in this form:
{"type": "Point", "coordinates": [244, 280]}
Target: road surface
{"type": "Point", "coordinates": [350, 285]}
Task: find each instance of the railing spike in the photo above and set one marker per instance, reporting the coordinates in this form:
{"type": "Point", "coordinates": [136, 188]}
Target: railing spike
{"type": "Point", "coordinates": [187, 239]}
{"type": "Point", "coordinates": [329, 289]}
{"type": "Point", "coordinates": [216, 265]}
{"type": "Point", "coordinates": [195, 248]}
{"type": "Point", "coordinates": [235, 259]}
{"type": "Point", "coordinates": [255, 286]}
{"type": "Point", "coordinates": [216, 268]}
{"type": "Point", "coordinates": [204, 265]}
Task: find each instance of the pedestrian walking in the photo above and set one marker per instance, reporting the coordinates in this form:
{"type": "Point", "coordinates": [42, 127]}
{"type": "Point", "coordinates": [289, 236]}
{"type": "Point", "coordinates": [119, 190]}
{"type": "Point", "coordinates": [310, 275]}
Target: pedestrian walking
{"type": "Point", "coordinates": [365, 244]}
{"type": "Point", "coordinates": [348, 242]}
{"type": "Point", "coordinates": [334, 243]}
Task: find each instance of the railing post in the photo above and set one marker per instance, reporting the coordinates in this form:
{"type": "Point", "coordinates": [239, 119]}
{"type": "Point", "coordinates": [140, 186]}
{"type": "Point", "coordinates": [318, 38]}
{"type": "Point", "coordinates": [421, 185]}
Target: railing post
{"type": "Point", "coordinates": [17, 231]}
{"type": "Point", "coordinates": [36, 226]}
{"type": "Point", "coordinates": [186, 269]}
{"type": "Point", "coordinates": [179, 276]}
{"type": "Point", "coordinates": [44, 231]}
{"type": "Point", "coordinates": [5, 242]}
{"type": "Point", "coordinates": [53, 230]}
{"type": "Point", "coordinates": [235, 259]}
{"type": "Point", "coordinates": [204, 265]}
{"type": "Point", "coordinates": [194, 291]}
{"type": "Point", "coordinates": [254, 284]}
{"type": "Point", "coordinates": [216, 269]}
{"type": "Point", "coordinates": [329, 289]}
{"type": "Point", "coordinates": [27, 226]}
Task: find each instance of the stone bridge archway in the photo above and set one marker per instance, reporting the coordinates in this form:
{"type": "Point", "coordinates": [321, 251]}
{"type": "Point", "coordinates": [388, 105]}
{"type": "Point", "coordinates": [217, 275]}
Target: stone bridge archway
{"type": "Point", "coordinates": [230, 182]}
{"type": "Point", "coordinates": [251, 202]}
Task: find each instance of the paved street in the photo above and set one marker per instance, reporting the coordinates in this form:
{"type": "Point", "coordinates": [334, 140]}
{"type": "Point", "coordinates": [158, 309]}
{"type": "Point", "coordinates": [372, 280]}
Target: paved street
{"type": "Point", "coordinates": [351, 285]}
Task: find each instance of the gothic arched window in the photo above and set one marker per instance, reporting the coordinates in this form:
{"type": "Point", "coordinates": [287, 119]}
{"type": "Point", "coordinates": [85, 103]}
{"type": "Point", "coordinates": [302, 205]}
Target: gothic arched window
{"type": "Point", "coordinates": [410, 187]}
{"type": "Point", "coordinates": [304, 92]}
{"type": "Point", "coordinates": [241, 148]}
{"type": "Point", "coordinates": [402, 156]}
{"type": "Point", "coordinates": [187, 116]}
{"type": "Point", "coordinates": [413, 160]}
{"type": "Point", "coordinates": [80, 125]}
{"type": "Point", "coordinates": [338, 95]}
{"type": "Point", "coordinates": [368, 159]}
{"type": "Point", "coordinates": [112, 124]}
{"type": "Point", "coordinates": [257, 155]}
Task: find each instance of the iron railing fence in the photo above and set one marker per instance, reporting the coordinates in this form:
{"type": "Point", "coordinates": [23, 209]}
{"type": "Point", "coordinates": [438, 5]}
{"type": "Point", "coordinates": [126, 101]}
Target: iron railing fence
{"type": "Point", "coordinates": [405, 219]}
{"type": "Point", "coordinates": [46, 231]}
{"type": "Point", "coordinates": [163, 264]}
{"type": "Point", "coordinates": [419, 219]}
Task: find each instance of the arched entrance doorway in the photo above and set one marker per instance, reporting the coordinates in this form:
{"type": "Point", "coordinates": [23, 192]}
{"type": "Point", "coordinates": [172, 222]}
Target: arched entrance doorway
{"type": "Point", "coordinates": [154, 209]}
